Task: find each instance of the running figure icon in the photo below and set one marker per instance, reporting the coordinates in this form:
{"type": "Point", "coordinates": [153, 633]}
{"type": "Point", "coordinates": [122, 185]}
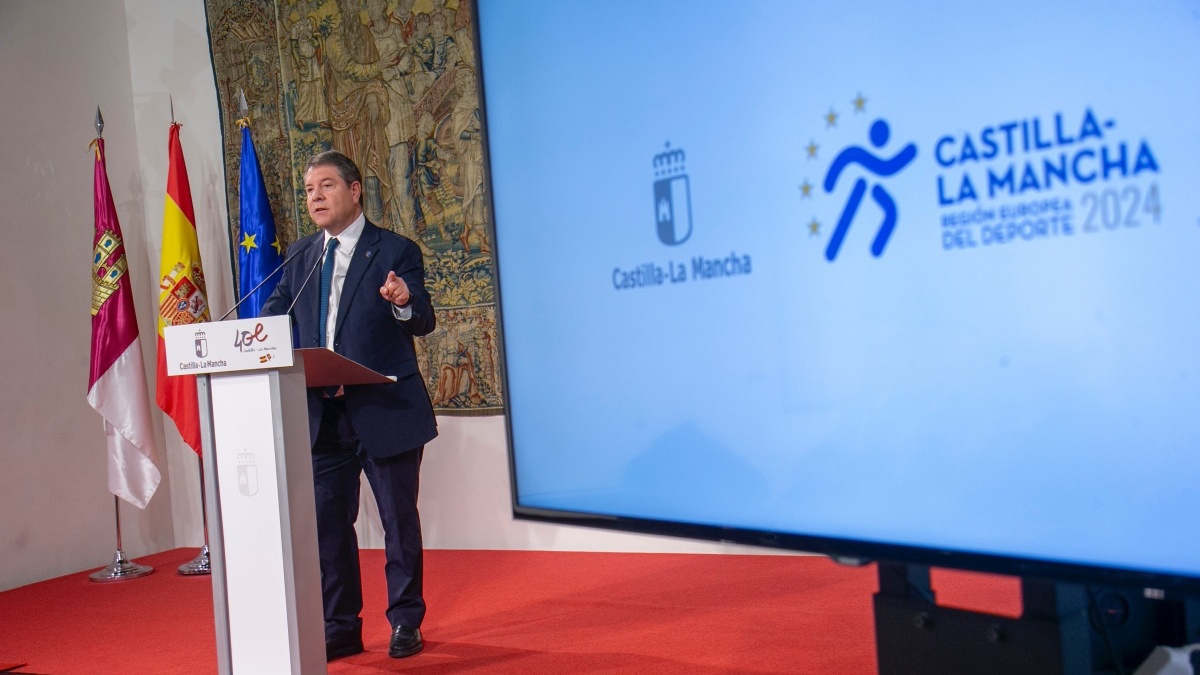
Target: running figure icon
{"type": "Point", "coordinates": [880, 167]}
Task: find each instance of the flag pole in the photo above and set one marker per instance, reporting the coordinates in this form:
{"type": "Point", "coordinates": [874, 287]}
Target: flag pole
{"type": "Point", "coordinates": [120, 568]}
{"type": "Point", "coordinates": [201, 564]}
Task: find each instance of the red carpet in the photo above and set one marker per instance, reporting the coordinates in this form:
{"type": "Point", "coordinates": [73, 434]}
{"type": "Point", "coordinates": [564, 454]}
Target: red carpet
{"type": "Point", "coordinates": [520, 612]}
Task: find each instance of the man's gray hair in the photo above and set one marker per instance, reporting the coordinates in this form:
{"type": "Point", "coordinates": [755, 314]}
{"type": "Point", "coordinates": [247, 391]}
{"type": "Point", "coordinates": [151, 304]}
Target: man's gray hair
{"type": "Point", "coordinates": [345, 166]}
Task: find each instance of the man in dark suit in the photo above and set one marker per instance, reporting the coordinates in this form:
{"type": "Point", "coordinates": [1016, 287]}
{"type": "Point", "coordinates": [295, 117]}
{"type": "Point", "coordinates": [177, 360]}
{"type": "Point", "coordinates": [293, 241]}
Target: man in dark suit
{"type": "Point", "coordinates": [367, 302]}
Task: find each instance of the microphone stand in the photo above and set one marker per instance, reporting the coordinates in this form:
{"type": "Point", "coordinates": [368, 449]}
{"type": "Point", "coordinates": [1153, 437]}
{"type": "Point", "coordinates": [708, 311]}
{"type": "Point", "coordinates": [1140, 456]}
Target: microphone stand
{"type": "Point", "coordinates": [306, 280]}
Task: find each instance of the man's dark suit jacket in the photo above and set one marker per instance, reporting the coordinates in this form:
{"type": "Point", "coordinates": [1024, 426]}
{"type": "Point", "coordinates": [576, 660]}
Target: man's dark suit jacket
{"type": "Point", "coordinates": [389, 418]}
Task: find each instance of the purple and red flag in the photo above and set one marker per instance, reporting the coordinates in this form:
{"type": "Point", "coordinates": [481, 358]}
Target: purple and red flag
{"type": "Point", "coordinates": [117, 380]}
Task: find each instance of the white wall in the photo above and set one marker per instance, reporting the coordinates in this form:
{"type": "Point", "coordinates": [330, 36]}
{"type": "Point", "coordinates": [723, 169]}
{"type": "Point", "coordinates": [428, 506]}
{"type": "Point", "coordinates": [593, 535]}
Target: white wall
{"type": "Point", "coordinates": [58, 60]}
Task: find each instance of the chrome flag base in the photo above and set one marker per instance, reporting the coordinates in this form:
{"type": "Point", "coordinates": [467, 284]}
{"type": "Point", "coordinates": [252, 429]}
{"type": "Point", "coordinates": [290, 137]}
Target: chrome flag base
{"type": "Point", "coordinates": [121, 569]}
{"type": "Point", "coordinates": [198, 565]}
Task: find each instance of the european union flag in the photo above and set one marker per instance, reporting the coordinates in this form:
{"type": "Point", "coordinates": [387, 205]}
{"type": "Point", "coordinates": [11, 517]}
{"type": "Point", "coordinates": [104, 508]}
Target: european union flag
{"type": "Point", "coordinates": [259, 250]}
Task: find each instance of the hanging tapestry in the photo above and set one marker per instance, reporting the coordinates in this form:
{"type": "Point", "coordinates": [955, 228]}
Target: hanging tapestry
{"type": "Point", "coordinates": [392, 84]}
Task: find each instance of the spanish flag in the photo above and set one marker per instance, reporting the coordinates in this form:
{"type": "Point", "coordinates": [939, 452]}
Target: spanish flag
{"type": "Point", "coordinates": [182, 296]}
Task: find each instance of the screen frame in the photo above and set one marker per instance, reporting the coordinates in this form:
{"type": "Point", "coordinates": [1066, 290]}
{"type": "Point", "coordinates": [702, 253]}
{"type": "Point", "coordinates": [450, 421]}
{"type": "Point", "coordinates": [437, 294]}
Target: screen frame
{"type": "Point", "coordinates": [846, 551]}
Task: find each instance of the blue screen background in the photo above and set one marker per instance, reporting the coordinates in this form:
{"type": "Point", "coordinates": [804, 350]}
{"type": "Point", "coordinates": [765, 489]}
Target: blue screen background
{"type": "Point", "coordinates": [982, 385]}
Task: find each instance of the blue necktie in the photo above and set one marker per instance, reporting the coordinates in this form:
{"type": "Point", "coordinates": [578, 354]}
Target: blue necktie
{"type": "Point", "coordinates": [326, 281]}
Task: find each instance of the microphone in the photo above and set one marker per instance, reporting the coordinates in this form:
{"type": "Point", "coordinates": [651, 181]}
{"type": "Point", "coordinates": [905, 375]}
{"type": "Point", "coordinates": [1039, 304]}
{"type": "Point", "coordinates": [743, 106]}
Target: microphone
{"type": "Point", "coordinates": [307, 278]}
{"type": "Point", "coordinates": [290, 258]}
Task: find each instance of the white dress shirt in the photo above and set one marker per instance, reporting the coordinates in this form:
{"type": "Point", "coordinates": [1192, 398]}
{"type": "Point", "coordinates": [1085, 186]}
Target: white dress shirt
{"type": "Point", "coordinates": [347, 242]}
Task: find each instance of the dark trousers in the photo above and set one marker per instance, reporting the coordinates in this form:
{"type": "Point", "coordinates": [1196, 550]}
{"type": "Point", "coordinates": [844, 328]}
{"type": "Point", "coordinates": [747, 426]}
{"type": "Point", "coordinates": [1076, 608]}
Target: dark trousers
{"type": "Point", "coordinates": [338, 461]}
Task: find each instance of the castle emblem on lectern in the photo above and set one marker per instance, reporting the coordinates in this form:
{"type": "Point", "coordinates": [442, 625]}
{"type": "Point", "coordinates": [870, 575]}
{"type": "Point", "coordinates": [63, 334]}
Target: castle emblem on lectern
{"type": "Point", "coordinates": [672, 197]}
{"type": "Point", "coordinates": [247, 474]}
{"type": "Point", "coordinates": [201, 344]}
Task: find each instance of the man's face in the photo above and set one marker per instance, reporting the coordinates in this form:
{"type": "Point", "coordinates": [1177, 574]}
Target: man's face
{"type": "Point", "coordinates": [332, 204]}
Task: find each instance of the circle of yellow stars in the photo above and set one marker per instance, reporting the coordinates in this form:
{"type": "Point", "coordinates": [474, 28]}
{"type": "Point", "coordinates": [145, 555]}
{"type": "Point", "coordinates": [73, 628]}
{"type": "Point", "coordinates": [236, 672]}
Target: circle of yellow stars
{"type": "Point", "coordinates": [859, 105]}
{"type": "Point", "coordinates": [249, 242]}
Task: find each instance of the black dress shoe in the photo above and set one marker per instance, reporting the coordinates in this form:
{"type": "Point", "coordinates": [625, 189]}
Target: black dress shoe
{"type": "Point", "coordinates": [405, 642]}
{"type": "Point", "coordinates": [345, 645]}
